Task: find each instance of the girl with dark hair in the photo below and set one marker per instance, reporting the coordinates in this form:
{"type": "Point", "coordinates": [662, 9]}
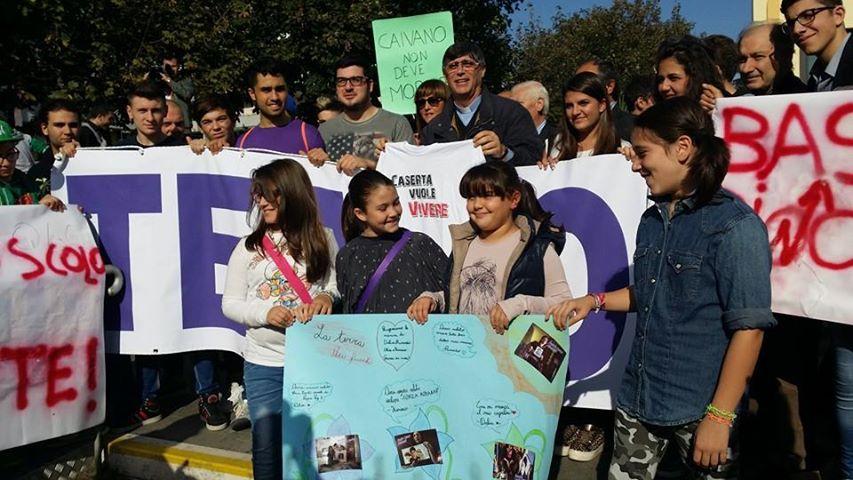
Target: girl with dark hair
{"type": "Point", "coordinates": [702, 296]}
{"type": "Point", "coordinates": [506, 258]}
{"type": "Point", "coordinates": [383, 267]}
{"type": "Point", "coordinates": [430, 98]}
{"type": "Point", "coordinates": [281, 273]}
{"type": "Point", "coordinates": [684, 65]}
{"type": "Point", "coordinates": [587, 127]}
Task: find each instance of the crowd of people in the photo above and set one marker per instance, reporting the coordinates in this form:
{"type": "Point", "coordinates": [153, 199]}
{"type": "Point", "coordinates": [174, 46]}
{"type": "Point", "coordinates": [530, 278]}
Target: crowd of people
{"type": "Point", "coordinates": [700, 324]}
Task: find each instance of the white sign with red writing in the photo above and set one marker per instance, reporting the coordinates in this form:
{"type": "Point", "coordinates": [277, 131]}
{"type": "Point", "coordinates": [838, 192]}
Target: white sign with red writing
{"type": "Point", "coordinates": [427, 180]}
{"type": "Point", "coordinates": [51, 325]}
{"type": "Point", "coordinates": [792, 161]}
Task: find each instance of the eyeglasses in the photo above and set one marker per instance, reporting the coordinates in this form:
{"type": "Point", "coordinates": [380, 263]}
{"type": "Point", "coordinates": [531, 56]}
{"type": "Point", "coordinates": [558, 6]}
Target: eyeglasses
{"type": "Point", "coordinates": [355, 81]}
{"type": "Point", "coordinates": [806, 17]}
{"type": "Point", "coordinates": [433, 101]}
{"type": "Point", "coordinates": [11, 154]}
{"type": "Point", "coordinates": [466, 65]}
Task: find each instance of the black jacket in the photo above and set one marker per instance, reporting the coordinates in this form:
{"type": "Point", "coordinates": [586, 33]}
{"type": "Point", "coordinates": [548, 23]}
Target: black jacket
{"type": "Point", "coordinates": [786, 83]}
{"type": "Point", "coordinates": [507, 118]}
{"type": "Point", "coordinates": [527, 277]}
{"type": "Point", "coordinates": [624, 122]}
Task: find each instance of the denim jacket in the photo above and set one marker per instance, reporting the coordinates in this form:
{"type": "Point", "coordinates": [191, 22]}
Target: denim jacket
{"type": "Point", "coordinates": [698, 277]}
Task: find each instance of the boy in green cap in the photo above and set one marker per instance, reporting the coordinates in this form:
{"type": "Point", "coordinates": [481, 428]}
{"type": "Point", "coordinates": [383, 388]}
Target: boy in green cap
{"type": "Point", "coordinates": [15, 187]}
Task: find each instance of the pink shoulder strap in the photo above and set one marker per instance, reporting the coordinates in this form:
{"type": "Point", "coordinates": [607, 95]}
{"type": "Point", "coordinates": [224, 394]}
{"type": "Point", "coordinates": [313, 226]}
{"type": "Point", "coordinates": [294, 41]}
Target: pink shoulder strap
{"type": "Point", "coordinates": [286, 270]}
{"type": "Point", "coordinates": [244, 137]}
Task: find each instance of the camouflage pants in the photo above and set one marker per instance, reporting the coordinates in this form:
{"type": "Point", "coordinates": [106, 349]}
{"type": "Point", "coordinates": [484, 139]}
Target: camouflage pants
{"type": "Point", "coordinates": [638, 449]}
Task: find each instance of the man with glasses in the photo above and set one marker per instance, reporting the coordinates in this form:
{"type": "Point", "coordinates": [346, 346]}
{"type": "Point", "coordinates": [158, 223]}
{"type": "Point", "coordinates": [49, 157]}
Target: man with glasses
{"type": "Point", "coordinates": [15, 187]}
{"type": "Point", "coordinates": [278, 130]}
{"type": "Point", "coordinates": [817, 26]}
{"type": "Point", "coordinates": [499, 126]}
{"type": "Point", "coordinates": [353, 137]}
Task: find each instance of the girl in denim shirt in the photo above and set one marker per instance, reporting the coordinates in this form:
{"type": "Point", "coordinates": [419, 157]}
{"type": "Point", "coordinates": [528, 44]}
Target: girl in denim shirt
{"type": "Point", "coordinates": [702, 296]}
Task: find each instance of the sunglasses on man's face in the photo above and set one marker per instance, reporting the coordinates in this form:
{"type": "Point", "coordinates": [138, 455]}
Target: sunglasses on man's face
{"type": "Point", "coordinates": [433, 101]}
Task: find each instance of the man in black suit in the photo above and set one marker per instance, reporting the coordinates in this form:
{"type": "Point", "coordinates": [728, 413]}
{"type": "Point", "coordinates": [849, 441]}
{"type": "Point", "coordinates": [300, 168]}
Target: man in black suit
{"type": "Point", "coordinates": [533, 96]}
{"type": "Point", "coordinates": [817, 27]}
{"type": "Point", "coordinates": [604, 69]}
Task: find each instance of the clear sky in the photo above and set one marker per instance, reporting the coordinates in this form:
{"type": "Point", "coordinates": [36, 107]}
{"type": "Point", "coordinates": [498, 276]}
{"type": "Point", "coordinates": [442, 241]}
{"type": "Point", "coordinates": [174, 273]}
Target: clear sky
{"type": "Point", "coordinates": [709, 16]}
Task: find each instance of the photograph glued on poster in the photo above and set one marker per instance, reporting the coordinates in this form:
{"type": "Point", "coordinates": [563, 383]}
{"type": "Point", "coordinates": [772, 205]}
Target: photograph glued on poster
{"type": "Point", "coordinates": [512, 462]}
{"type": "Point", "coordinates": [342, 452]}
{"type": "Point", "coordinates": [541, 351]}
{"type": "Point", "coordinates": [416, 449]}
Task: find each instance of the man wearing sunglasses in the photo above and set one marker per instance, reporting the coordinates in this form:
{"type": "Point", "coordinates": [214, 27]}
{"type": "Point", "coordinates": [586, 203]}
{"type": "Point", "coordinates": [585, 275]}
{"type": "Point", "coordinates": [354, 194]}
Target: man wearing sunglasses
{"type": "Point", "coordinates": [817, 26]}
{"type": "Point", "coordinates": [501, 127]}
{"type": "Point", "coordinates": [353, 137]}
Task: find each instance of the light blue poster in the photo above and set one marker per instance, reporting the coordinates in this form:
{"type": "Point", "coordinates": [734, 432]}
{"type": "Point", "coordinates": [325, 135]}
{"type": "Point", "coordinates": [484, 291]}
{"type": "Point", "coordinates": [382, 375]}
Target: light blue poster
{"type": "Point", "coordinates": [379, 396]}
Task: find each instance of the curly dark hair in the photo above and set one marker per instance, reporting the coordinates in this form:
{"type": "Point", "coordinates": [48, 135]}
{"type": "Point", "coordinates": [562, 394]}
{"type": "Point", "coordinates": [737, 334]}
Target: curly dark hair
{"type": "Point", "coordinates": [698, 65]}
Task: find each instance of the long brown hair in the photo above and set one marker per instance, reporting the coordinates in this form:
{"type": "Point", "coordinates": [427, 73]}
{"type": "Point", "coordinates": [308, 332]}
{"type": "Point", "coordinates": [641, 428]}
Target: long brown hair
{"type": "Point", "coordinates": [286, 184]}
{"type": "Point", "coordinates": [607, 141]}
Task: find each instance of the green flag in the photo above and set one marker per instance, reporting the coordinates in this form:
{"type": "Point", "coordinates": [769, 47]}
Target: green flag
{"type": "Point", "coordinates": [408, 52]}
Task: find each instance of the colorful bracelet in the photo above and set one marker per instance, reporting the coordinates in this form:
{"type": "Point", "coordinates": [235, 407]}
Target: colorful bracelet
{"type": "Point", "coordinates": [719, 419]}
{"type": "Point", "coordinates": [724, 414]}
{"type": "Point", "coordinates": [595, 299]}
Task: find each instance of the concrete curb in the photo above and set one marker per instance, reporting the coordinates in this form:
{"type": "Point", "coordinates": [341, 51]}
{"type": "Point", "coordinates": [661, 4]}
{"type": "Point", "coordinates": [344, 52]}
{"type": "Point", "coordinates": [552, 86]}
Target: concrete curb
{"type": "Point", "coordinates": [148, 458]}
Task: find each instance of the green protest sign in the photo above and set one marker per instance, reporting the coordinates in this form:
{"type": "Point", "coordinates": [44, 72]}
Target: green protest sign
{"type": "Point", "coordinates": [408, 52]}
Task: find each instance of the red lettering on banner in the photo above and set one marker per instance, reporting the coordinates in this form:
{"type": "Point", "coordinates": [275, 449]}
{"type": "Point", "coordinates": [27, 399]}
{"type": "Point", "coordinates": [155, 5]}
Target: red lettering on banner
{"type": "Point", "coordinates": [751, 139]}
{"type": "Point", "coordinates": [22, 356]}
{"type": "Point", "coordinates": [428, 209]}
{"type": "Point", "coordinates": [55, 373]}
{"type": "Point", "coordinates": [799, 225]}
{"type": "Point", "coordinates": [53, 268]}
{"type": "Point", "coordinates": [832, 125]}
{"type": "Point", "coordinates": [71, 259]}
{"type": "Point", "coordinates": [92, 370]}
{"type": "Point", "coordinates": [783, 149]}
{"type": "Point", "coordinates": [12, 245]}
{"type": "Point", "coordinates": [795, 229]}
{"type": "Point", "coordinates": [60, 367]}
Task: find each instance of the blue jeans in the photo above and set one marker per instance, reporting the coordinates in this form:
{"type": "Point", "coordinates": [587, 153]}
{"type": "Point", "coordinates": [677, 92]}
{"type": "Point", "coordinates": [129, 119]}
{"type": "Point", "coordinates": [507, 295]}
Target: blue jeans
{"type": "Point", "coordinates": [263, 390]}
{"type": "Point", "coordinates": [203, 371]}
{"type": "Point", "coordinates": [843, 335]}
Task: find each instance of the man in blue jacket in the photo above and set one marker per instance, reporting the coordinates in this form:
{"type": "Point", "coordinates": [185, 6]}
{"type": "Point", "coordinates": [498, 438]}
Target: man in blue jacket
{"type": "Point", "coordinates": [501, 127]}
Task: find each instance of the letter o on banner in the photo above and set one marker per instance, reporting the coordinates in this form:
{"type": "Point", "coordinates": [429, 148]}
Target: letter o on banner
{"type": "Point", "coordinates": [586, 216]}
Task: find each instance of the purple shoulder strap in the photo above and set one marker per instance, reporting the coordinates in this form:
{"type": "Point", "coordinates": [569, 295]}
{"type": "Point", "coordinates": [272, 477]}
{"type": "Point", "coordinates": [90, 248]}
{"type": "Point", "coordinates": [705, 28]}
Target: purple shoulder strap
{"type": "Point", "coordinates": [380, 270]}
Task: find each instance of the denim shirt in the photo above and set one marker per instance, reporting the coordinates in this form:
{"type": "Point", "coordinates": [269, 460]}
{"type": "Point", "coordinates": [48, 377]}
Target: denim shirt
{"type": "Point", "coordinates": [699, 276]}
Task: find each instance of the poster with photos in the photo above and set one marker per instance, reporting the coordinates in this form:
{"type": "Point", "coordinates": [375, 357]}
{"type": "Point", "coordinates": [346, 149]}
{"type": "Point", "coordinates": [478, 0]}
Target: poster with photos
{"type": "Point", "coordinates": [373, 396]}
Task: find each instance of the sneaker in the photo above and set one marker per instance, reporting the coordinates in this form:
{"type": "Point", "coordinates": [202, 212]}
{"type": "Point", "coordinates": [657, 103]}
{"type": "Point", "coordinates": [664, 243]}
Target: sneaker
{"type": "Point", "coordinates": [587, 444]}
{"type": "Point", "coordinates": [148, 413]}
{"type": "Point", "coordinates": [211, 415]}
{"type": "Point", "coordinates": [239, 408]}
{"type": "Point", "coordinates": [569, 434]}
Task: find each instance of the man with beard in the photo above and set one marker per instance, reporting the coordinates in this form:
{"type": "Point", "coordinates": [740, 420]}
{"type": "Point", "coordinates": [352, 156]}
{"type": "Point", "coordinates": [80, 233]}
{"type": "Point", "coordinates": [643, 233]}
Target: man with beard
{"type": "Point", "coordinates": [354, 136]}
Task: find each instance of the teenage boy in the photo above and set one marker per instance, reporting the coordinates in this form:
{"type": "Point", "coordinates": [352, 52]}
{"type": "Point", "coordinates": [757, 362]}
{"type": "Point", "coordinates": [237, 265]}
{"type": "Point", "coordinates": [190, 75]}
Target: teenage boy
{"type": "Point", "coordinates": [146, 108]}
{"type": "Point", "coordinates": [817, 27]}
{"type": "Point", "coordinates": [278, 130]}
